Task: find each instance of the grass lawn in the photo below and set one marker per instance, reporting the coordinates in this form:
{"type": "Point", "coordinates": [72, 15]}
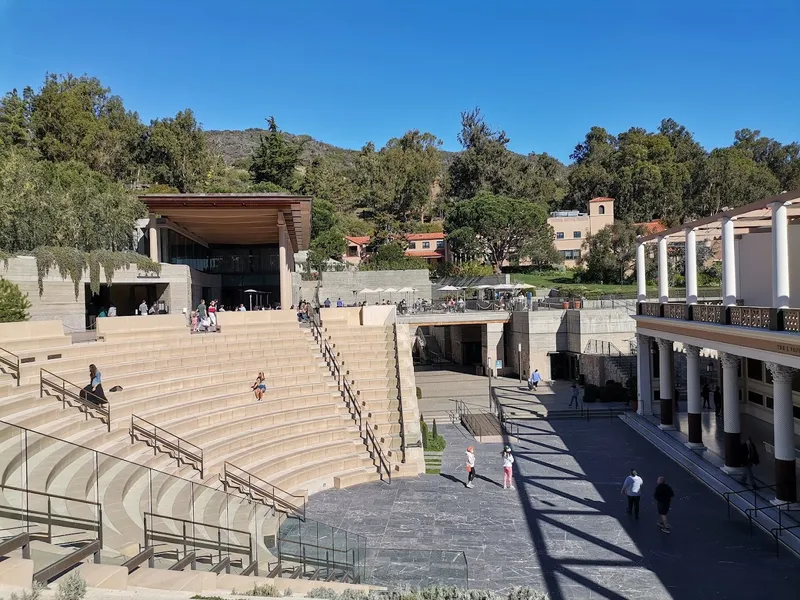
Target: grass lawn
{"type": "Point", "coordinates": [557, 279]}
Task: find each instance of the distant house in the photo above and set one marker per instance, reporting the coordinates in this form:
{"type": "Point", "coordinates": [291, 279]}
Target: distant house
{"type": "Point", "coordinates": [571, 227]}
{"type": "Point", "coordinates": [429, 246]}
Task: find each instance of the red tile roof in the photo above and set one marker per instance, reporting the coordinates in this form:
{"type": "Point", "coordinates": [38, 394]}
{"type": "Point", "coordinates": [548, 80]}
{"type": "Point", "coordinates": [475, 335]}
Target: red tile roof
{"type": "Point", "coordinates": [651, 227]}
{"type": "Point", "coordinates": [360, 240]}
{"type": "Point", "coordinates": [601, 200]}
{"type": "Point", "coordinates": [425, 253]}
{"type": "Point", "coordinates": [413, 237]}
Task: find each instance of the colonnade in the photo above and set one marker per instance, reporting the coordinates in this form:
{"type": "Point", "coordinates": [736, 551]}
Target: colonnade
{"type": "Point", "coordinates": [783, 411]}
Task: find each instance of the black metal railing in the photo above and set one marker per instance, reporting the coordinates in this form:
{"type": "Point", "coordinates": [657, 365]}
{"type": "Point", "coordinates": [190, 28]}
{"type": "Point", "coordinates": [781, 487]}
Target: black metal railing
{"type": "Point", "coordinates": [12, 361]}
{"type": "Point", "coordinates": [777, 532]}
{"type": "Point", "coordinates": [87, 402]}
{"type": "Point", "coordinates": [755, 317]}
{"type": "Point", "coordinates": [49, 517]}
{"type": "Point", "coordinates": [187, 538]}
{"type": "Point", "coordinates": [258, 490]}
{"type": "Point", "coordinates": [161, 440]}
{"type": "Point", "coordinates": [754, 490]}
{"type": "Point", "coordinates": [399, 395]}
{"type": "Point", "coordinates": [364, 427]}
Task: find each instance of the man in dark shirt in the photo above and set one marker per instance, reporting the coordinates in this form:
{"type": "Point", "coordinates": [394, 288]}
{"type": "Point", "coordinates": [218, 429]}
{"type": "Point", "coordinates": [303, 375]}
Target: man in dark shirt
{"type": "Point", "coordinates": [663, 496]}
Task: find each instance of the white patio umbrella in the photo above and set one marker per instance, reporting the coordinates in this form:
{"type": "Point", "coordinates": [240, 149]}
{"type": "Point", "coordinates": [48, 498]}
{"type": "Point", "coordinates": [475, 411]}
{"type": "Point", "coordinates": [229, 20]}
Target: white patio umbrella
{"type": "Point", "coordinates": [390, 291]}
{"type": "Point", "coordinates": [449, 288]}
{"type": "Point", "coordinates": [365, 291]}
{"type": "Point", "coordinates": [525, 286]}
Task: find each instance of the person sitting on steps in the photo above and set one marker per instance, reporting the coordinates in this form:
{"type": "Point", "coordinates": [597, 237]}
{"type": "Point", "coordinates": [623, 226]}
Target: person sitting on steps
{"type": "Point", "coordinates": [259, 387]}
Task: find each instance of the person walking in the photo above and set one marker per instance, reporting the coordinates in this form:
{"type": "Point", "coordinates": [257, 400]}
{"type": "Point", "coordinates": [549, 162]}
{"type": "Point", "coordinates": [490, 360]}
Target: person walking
{"type": "Point", "coordinates": [533, 382]}
{"type": "Point", "coordinates": [574, 395]}
{"type": "Point", "coordinates": [470, 467]}
{"type": "Point", "coordinates": [143, 308]}
{"type": "Point", "coordinates": [212, 313]}
{"type": "Point", "coordinates": [717, 401]}
{"type": "Point", "coordinates": [202, 311]}
{"type": "Point", "coordinates": [705, 394]}
{"type": "Point", "coordinates": [508, 465]}
{"type": "Point", "coordinates": [632, 488]}
{"type": "Point", "coordinates": [663, 495]}
{"type": "Point", "coordinates": [749, 458]}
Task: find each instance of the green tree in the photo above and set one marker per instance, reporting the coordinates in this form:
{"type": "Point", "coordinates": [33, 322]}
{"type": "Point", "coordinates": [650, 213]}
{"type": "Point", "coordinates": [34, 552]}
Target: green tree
{"type": "Point", "coordinates": [329, 244]}
{"type": "Point", "coordinates": [14, 305]}
{"type": "Point", "coordinates": [14, 126]}
{"type": "Point", "coordinates": [175, 152]}
{"type": "Point", "coordinates": [275, 158]}
{"type": "Point", "coordinates": [503, 225]}
{"type": "Point", "coordinates": [324, 182]}
{"type": "Point", "coordinates": [77, 118]}
{"type": "Point", "coordinates": [323, 217]}
{"type": "Point", "coordinates": [610, 254]}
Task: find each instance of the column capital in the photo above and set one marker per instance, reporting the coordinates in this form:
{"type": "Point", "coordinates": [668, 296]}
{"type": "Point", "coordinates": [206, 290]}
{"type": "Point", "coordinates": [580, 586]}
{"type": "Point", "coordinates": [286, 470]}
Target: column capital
{"type": "Point", "coordinates": [693, 351]}
{"type": "Point", "coordinates": [781, 373]}
{"type": "Point", "coordinates": [641, 338]}
{"type": "Point", "coordinates": [664, 345]}
{"type": "Point", "coordinates": [729, 361]}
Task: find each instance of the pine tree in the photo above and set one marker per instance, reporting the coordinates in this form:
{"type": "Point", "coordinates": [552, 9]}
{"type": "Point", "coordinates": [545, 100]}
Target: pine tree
{"type": "Point", "coordinates": [14, 304]}
{"type": "Point", "coordinates": [275, 158]}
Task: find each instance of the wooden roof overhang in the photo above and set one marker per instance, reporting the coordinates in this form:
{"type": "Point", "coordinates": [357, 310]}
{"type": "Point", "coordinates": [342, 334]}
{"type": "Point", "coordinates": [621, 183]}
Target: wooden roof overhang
{"type": "Point", "coordinates": [245, 219]}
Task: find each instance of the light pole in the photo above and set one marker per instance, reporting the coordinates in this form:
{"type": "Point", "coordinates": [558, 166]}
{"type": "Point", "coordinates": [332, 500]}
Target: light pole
{"type": "Point", "coordinates": [519, 354]}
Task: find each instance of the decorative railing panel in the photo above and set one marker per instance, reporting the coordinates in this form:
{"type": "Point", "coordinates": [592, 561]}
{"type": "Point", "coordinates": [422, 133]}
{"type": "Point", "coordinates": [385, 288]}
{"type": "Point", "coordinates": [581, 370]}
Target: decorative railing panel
{"type": "Point", "coordinates": [707, 313]}
{"type": "Point", "coordinates": [791, 319]}
{"type": "Point", "coordinates": [651, 309]}
{"type": "Point", "coordinates": [749, 316]}
{"type": "Point", "coordinates": [675, 311]}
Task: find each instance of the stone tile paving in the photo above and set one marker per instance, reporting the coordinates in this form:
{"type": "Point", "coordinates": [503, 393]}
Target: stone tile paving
{"type": "Point", "coordinates": [564, 530]}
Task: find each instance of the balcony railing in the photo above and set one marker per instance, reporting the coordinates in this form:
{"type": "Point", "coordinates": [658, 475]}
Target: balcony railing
{"type": "Point", "coordinates": [754, 317]}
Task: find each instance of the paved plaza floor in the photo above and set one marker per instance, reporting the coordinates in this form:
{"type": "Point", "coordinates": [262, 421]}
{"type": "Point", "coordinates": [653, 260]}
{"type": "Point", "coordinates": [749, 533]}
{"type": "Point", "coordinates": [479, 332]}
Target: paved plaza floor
{"type": "Point", "coordinates": [564, 529]}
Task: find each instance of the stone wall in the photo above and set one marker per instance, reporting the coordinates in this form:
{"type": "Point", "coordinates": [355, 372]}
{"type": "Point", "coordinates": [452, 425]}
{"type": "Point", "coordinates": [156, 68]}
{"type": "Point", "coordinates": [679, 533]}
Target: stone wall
{"type": "Point", "coordinates": [58, 300]}
{"type": "Point", "coordinates": [342, 284]}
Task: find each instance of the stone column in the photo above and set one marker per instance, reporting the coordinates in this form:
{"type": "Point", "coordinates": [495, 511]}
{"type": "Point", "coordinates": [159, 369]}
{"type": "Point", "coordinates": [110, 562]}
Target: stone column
{"type": "Point", "coordinates": [285, 276]}
{"type": "Point", "coordinates": [644, 375]}
{"type": "Point", "coordinates": [690, 255]}
{"type": "Point", "coordinates": [730, 413]}
{"type": "Point", "coordinates": [641, 273]}
{"type": "Point", "coordinates": [780, 256]}
{"type": "Point", "coordinates": [728, 263]}
{"type": "Point", "coordinates": [663, 271]}
{"type": "Point", "coordinates": [153, 235]}
{"type": "Point", "coordinates": [665, 382]}
{"type": "Point", "coordinates": [783, 423]}
{"type": "Point", "coordinates": [694, 402]}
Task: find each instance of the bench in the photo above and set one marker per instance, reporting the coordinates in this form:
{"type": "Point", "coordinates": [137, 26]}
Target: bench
{"type": "Point", "coordinates": [141, 327]}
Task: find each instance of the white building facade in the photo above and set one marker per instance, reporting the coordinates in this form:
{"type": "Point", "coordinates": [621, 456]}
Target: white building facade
{"type": "Point", "coordinates": [755, 331]}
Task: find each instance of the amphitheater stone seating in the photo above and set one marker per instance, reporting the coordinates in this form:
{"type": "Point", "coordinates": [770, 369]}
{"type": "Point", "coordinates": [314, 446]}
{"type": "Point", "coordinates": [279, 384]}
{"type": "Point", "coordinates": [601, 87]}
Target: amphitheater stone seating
{"type": "Point", "coordinates": [300, 438]}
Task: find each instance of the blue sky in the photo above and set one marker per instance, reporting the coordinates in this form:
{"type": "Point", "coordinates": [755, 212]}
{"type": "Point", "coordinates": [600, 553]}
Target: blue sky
{"type": "Point", "coordinates": [349, 71]}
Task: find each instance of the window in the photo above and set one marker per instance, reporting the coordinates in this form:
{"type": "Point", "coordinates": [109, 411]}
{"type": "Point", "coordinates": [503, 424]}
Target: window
{"type": "Point", "coordinates": [426, 245]}
{"type": "Point", "coordinates": [755, 369]}
{"type": "Point", "coordinates": [601, 210]}
{"type": "Point", "coordinates": [352, 251]}
{"type": "Point", "coordinates": [571, 254]}
{"type": "Point", "coordinates": [576, 234]}
{"type": "Point", "coordinates": [559, 235]}
{"type": "Point", "coordinates": [412, 245]}
{"type": "Point", "coordinates": [796, 382]}
{"type": "Point", "coordinates": [755, 398]}
{"type": "Point", "coordinates": [440, 244]}
{"type": "Point", "coordinates": [770, 402]}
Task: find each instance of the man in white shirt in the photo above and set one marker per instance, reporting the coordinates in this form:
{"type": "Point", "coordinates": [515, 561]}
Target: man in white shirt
{"type": "Point", "coordinates": [632, 488]}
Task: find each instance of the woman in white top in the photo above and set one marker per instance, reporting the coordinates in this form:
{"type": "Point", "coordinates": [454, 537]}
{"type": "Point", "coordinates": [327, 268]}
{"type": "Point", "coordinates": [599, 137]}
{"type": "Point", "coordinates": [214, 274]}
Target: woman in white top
{"type": "Point", "coordinates": [508, 463]}
{"type": "Point", "coordinates": [470, 467]}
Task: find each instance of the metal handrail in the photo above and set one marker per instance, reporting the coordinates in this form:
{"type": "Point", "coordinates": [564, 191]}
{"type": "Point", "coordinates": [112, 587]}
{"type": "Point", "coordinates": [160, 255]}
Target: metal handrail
{"type": "Point", "coordinates": [751, 512]}
{"type": "Point", "coordinates": [187, 539]}
{"type": "Point", "coordinates": [12, 363]}
{"type": "Point", "coordinates": [50, 519]}
{"type": "Point", "coordinates": [727, 495]}
{"type": "Point", "coordinates": [232, 476]}
{"type": "Point", "coordinates": [364, 427]}
{"type": "Point", "coordinates": [100, 409]}
{"type": "Point", "coordinates": [777, 531]}
{"type": "Point", "coordinates": [187, 453]}
{"type": "Point", "coordinates": [399, 395]}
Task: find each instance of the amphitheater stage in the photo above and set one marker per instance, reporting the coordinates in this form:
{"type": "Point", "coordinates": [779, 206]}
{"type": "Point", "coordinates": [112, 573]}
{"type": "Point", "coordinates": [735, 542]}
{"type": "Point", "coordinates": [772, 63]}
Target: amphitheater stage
{"type": "Point", "coordinates": [564, 529]}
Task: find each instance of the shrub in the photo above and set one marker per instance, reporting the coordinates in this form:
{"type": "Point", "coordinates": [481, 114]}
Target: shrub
{"type": "Point", "coordinates": [72, 587]}
{"type": "Point", "coordinates": [434, 431]}
{"type": "Point", "coordinates": [266, 589]}
{"type": "Point", "coordinates": [419, 393]}
{"type": "Point", "coordinates": [323, 592]}
{"type": "Point", "coordinates": [35, 593]}
{"type": "Point", "coordinates": [436, 444]}
{"type": "Point", "coordinates": [14, 305]}
{"type": "Point", "coordinates": [287, 592]}
{"type": "Point", "coordinates": [423, 432]}
{"type": "Point", "coordinates": [525, 593]}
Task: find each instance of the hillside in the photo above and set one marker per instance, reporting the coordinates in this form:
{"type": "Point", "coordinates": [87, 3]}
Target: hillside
{"type": "Point", "coordinates": [235, 145]}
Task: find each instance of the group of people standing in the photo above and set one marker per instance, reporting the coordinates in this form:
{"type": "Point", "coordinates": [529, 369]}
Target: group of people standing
{"type": "Point", "coordinates": [508, 465]}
